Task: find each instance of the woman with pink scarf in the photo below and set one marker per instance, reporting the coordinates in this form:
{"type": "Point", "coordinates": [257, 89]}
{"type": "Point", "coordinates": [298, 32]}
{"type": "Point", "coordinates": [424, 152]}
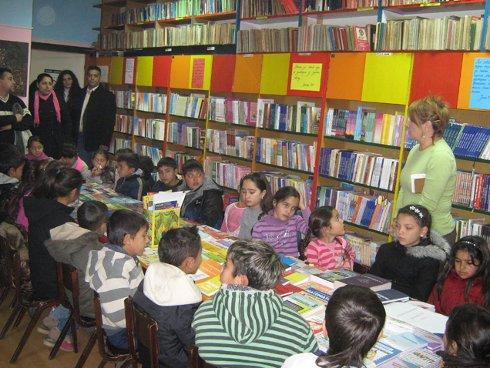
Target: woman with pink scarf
{"type": "Point", "coordinates": [51, 118]}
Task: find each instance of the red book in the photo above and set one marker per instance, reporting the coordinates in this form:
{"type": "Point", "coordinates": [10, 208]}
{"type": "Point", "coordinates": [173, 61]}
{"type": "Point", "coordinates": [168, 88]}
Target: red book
{"type": "Point", "coordinates": [361, 42]}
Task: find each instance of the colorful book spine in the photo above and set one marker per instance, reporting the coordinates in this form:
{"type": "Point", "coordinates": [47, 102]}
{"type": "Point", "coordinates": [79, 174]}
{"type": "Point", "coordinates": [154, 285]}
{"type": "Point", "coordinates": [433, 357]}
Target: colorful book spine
{"type": "Point", "coordinates": [180, 157]}
{"type": "Point", "coordinates": [151, 102]}
{"type": "Point", "coordinates": [185, 134]}
{"type": "Point", "coordinates": [125, 99]}
{"type": "Point", "coordinates": [149, 128]}
{"type": "Point", "coordinates": [289, 154]}
{"type": "Point", "coordinates": [230, 142]}
{"type": "Point", "coordinates": [119, 143]}
{"type": "Point", "coordinates": [192, 106]}
{"type": "Point", "coordinates": [154, 152]}
{"type": "Point", "coordinates": [124, 124]}
{"type": "Point", "coordinates": [226, 174]}
{"type": "Point", "coordinates": [234, 111]}
{"type": "Point", "coordinates": [302, 118]}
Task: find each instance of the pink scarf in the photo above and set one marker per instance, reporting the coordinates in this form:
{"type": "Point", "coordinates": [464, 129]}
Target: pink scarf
{"type": "Point", "coordinates": [45, 98]}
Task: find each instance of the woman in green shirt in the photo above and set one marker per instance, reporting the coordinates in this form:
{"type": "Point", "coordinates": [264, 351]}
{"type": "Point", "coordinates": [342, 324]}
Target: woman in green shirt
{"type": "Point", "coordinates": [432, 157]}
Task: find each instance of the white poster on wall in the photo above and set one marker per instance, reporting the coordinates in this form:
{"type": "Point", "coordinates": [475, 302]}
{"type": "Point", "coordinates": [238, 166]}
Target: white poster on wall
{"type": "Point", "coordinates": [129, 71]}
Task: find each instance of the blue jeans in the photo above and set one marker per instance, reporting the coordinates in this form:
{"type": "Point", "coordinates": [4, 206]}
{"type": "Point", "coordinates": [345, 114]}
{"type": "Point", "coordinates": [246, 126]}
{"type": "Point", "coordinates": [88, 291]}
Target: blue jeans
{"type": "Point", "coordinates": [61, 314]}
{"type": "Point", "coordinates": [119, 339]}
{"type": "Point", "coordinates": [84, 155]}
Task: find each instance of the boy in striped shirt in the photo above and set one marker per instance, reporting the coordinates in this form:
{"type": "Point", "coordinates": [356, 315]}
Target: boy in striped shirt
{"type": "Point", "coordinates": [247, 324]}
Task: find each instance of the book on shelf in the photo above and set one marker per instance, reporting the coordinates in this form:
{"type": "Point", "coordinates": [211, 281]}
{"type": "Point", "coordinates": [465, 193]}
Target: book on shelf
{"type": "Point", "coordinates": [124, 124]}
{"type": "Point", "coordinates": [472, 190]}
{"type": "Point", "coordinates": [226, 174]}
{"type": "Point", "coordinates": [112, 40]}
{"type": "Point", "coordinates": [149, 128]}
{"type": "Point", "coordinates": [326, 5]}
{"type": "Point", "coordinates": [375, 283]}
{"type": "Point", "coordinates": [192, 106]}
{"type": "Point", "coordinates": [301, 118]}
{"type": "Point", "coordinates": [230, 110]}
{"type": "Point", "coordinates": [278, 180]}
{"type": "Point", "coordinates": [125, 99]}
{"type": "Point", "coordinates": [119, 143]}
{"type": "Point", "coordinates": [118, 16]}
{"type": "Point", "coordinates": [180, 157]}
{"type": "Point", "coordinates": [267, 40]}
{"type": "Point", "coordinates": [364, 248]}
{"type": "Point", "coordinates": [359, 167]}
{"type": "Point", "coordinates": [151, 102]}
{"type": "Point", "coordinates": [326, 37]}
{"type": "Point", "coordinates": [154, 153]}
{"type": "Point", "coordinates": [471, 141]}
{"type": "Point", "coordinates": [230, 142]}
{"type": "Point", "coordinates": [185, 134]}
{"type": "Point", "coordinates": [373, 212]}
{"type": "Point", "coordinates": [289, 154]}
{"type": "Point", "coordinates": [365, 125]}
{"type": "Point", "coordinates": [466, 227]}
{"type": "Point", "coordinates": [261, 8]}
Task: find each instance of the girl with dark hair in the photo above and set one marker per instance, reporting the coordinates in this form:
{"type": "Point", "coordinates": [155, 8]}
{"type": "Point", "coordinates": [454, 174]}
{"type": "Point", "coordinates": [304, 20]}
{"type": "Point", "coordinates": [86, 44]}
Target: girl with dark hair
{"type": "Point", "coordinates": [52, 123]}
{"type": "Point", "coordinates": [68, 89]}
{"type": "Point", "coordinates": [326, 247]}
{"type": "Point", "coordinates": [465, 277]}
{"type": "Point", "coordinates": [467, 338]}
{"type": "Point", "coordinates": [281, 227]}
{"type": "Point", "coordinates": [413, 260]}
{"type": "Point", "coordinates": [35, 149]}
{"type": "Point", "coordinates": [354, 319]}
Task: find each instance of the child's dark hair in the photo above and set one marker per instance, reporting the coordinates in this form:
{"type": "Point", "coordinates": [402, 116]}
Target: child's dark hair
{"type": "Point", "coordinates": [468, 327]}
{"type": "Point", "coordinates": [167, 161]}
{"type": "Point", "coordinates": [261, 182]}
{"type": "Point", "coordinates": [178, 244]}
{"type": "Point", "coordinates": [191, 165]}
{"type": "Point", "coordinates": [120, 151]}
{"type": "Point", "coordinates": [123, 222]}
{"type": "Point", "coordinates": [32, 139]}
{"type": "Point", "coordinates": [131, 159]}
{"type": "Point", "coordinates": [69, 150]}
{"type": "Point", "coordinates": [284, 193]}
{"type": "Point", "coordinates": [354, 319]}
{"type": "Point", "coordinates": [58, 181]}
{"type": "Point", "coordinates": [92, 214]}
{"type": "Point", "coordinates": [479, 252]}
{"type": "Point", "coordinates": [147, 166]}
{"type": "Point", "coordinates": [103, 152]}
{"type": "Point", "coordinates": [10, 158]}
{"type": "Point", "coordinates": [319, 219]}
{"type": "Point", "coordinates": [419, 213]}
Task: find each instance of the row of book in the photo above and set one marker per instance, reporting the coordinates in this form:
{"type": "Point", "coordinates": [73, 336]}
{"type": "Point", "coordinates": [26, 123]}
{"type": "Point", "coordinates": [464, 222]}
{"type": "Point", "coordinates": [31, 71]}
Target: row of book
{"type": "Point", "coordinates": [124, 124]}
{"type": "Point", "coordinates": [192, 106]}
{"type": "Point", "coordinates": [226, 174]}
{"type": "Point", "coordinates": [359, 167]}
{"type": "Point", "coordinates": [472, 190]}
{"type": "Point", "coordinates": [366, 125]}
{"type": "Point", "coordinates": [289, 154]}
{"type": "Point", "coordinates": [326, 5]}
{"type": "Point", "coordinates": [180, 157]}
{"type": "Point", "coordinates": [267, 40]}
{"type": "Point", "coordinates": [364, 210]}
{"type": "Point", "coordinates": [468, 140]}
{"type": "Point", "coordinates": [231, 110]}
{"type": "Point", "coordinates": [119, 143]}
{"type": "Point", "coordinates": [325, 37]}
{"type": "Point", "coordinates": [185, 134]}
{"type": "Point", "coordinates": [114, 40]}
{"type": "Point", "coordinates": [154, 153]}
{"type": "Point", "coordinates": [151, 102]}
{"type": "Point", "coordinates": [119, 16]}
{"type": "Point", "coordinates": [466, 227]}
{"type": "Point", "coordinates": [149, 128]}
{"type": "Point", "coordinates": [125, 99]}
{"type": "Point", "coordinates": [300, 118]}
{"type": "Point", "coordinates": [278, 180]}
{"type": "Point", "coordinates": [230, 142]}
{"type": "Point", "coordinates": [185, 35]}
{"type": "Point", "coordinates": [261, 8]}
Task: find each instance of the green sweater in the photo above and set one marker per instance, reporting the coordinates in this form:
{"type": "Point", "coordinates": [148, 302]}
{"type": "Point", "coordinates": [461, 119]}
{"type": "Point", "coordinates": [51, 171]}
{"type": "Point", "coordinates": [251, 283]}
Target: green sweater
{"type": "Point", "coordinates": [437, 162]}
{"type": "Point", "coordinates": [244, 327]}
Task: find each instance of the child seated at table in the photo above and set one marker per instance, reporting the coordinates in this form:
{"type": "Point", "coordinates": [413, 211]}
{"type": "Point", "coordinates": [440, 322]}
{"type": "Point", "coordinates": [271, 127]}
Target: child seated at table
{"type": "Point", "coordinates": [102, 169]}
{"type": "Point", "coordinates": [170, 296]}
{"type": "Point", "coordinates": [130, 183]}
{"type": "Point", "coordinates": [70, 158]}
{"type": "Point", "coordinates": [167, 176]}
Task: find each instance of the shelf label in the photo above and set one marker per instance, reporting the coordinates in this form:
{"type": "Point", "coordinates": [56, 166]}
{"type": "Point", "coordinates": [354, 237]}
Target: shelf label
{"type": "Point", "coordinates": [169, 49]}
{"type": "Point", "coordinates": [263, 17]}
{"type": "Point", "coordinates": [480, 84]}
{"type": "Point", "coordinates": [306, 76]}
{"type": "Point", "coordinates": [429, 4]}
{"type": "Point", "coordinates": [211, 48]}
{"type": "Point", "coordinates": [365, 9]}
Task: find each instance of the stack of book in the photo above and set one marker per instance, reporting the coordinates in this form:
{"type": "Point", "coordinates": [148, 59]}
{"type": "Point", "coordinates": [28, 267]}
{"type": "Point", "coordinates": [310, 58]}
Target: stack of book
{"type": "Point", "coordinates": [118, 143]}
{"type": "Point", "coordinates": [147, 13]}
{"type": "Point", "coordinates": [230, 142]}
{"type": "Point", "coordinates": [278, 180]}
{"type": "Point", "coordinates": [124, 124]}
{"type": "Point", "coordinates": [267, 40]}
{"type": "Point", "coordinates": [185, 134]}
{"type": "Point", "coordinates": [365, 125]}
{"type": "Point", "coordinates": [285, 153]}
{"type": "Point", "coordinates": [226, 174]}
{"type": "Point", "coordinates": [359, 167]}
{"type": "Point", "coordinates": [326, 5]}
{"type": "Point", "coordinates": [235, 111]}
{"type": "Point", "coordinates": [119, 16]}
{"type": "Point", "coordinates": [199, 7]}
{"type": "Point", "coordinates": [151, 102]}
{"type": "Point", "coordinates": [367, 211]}
{"type": "Point", "coordinates": [193, 106]}
{"type": "Point", "coordinates": [472, 190]}
{"type": "Point", "coordinates": [324, 37]}
{"type": "Point", "coordinates": [180, 157]}
{"type": "Point", "coordinates": [154, 152]}
{"type": "Point", "coordinates": [466, 227]}
{"type": "Point", "coordinates": [197, 34]}
{"type": "Point", "coordinates": [141, 39]}
{"type": "Point", "coordinates": [149, 128]}
{"type": "Point", "coordinates": [301, 118]}
{"type": "Point", "coordinates": [125, 99]}
{"type": "Point", "coordinates": [467, 140]}
{"type": "Point", "coordinates": [365, 248]}
{"type": "Point", "coordinates": [114, 40]}
{"type": "Point", "coordinates": [261, 8]}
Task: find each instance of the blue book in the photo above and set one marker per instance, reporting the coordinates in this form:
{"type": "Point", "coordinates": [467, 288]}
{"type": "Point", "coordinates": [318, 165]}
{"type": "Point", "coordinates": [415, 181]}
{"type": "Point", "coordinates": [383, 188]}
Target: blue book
{"type": "Point", "coordinates": [358, 128]}
{"type": "Point", "coordinates": [467, 135]}
{"type": "Point", "coordinates": [391, 295]}
{"type": "Point", "coordinates": [283, 109]}
{"type": "Point", "coordinates": [368, 212]}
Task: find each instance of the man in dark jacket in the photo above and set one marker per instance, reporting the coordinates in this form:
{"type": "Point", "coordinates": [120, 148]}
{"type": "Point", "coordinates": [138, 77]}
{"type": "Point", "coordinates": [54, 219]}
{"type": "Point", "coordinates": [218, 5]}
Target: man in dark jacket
{"type": "Point", "coordinates": [204, 202]}
{"type": "Point", "coordinates": [170, 296]}
{"type": "Point", "coordinates": [97, 118]}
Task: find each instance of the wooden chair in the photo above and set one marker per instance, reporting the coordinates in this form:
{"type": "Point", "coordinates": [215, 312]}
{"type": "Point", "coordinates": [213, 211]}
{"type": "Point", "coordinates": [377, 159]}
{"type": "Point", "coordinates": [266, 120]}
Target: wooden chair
{"type": "Point", "coordinates": [195, 361]}
{"type": "Point", "coordinates": [142, 329]}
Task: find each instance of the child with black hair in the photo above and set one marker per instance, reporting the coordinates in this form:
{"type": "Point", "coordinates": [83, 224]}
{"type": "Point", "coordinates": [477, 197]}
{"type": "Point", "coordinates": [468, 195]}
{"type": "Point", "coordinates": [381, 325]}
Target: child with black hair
{"type": "Point", "coordinates": [71, 243]}
{"type": "Point", "coordinates": [129, 183]}
{"type": "Point", "coordinates": [354, 319]}
{"type": "Point", "coordinates": [148, 168]}
{"type": "Point", "coordinates": [35, 149]}
{"type": "Point", "coordinates": [70, 158]}
{"type": "Point", "coordinates": [326, 246]}
{"type": "Point", "coordinates": [204, 201]}
{"type": "Point", "coordinates": [167, 176]}
{"type": "Point", "coordinates": [102, 170]}
{"type": "Point", "coordinates": [412, 262]}
{"type": "Point", "coordinates": [113, 272]}
{"type": "Point", "coordinates": [281, 227]}
{"type": "Point", "coordinates": [11, 167]}
{"type": "Point", "coordinates": [465, 277]}
{"type": "Point", "coordinates": [170, 296]}
{"type": "Point", "coordinates": [467, 338]}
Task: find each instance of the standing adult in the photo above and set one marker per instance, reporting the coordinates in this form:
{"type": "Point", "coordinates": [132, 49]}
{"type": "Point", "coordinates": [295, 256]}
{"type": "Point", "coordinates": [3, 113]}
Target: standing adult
{"type": "Point", "coordinates": [68, 89]}
{"type": "Point", "coordinates": [14, 114]}
{"type": "Point", "coordinates": [97, 118]}
{"type": "Point", "coordinates": [432, 157]}
{"type": "Point", "coordinates": [52, 121]}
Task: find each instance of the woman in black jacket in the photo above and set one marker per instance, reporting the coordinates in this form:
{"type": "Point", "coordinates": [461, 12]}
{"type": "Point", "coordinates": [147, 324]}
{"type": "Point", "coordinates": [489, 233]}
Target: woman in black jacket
{"type": "Point", "coordinates": [68, 89]}
{"type": "Point", "coordinates": [52, 121]}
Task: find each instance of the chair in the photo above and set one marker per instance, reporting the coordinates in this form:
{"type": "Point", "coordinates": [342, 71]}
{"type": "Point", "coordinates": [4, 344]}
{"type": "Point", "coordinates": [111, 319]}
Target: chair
{"type": "Point", "coordinates": [144, 329]}
{"type": "Point", "coordinates": [107, 353]}
{"type": "Point", "coordinates": [195, 361]}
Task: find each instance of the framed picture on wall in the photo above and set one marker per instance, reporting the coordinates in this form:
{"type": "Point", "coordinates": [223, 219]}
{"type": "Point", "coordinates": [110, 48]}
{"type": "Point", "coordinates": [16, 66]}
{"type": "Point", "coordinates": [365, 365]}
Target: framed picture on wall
{"type": "Point", "coordinates": [15, 55]}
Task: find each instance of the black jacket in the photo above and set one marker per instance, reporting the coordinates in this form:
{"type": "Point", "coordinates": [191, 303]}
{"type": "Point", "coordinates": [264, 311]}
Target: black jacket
{"type": "Point", "coordinates": [52, 133]}
{"type": "Point", "coordinates": [204, 204]}
{"type": "Point", "coordinates": [8, 118]}
{"type": "Point", "coordinates": [43, 215]}
{"type": "Point", "coordinates": [74, 107]}
{"type": "Point", "coordinates": [99, 118]}
{"type": "Point", "coordinates": [412, 270]}
{"type": "Point", "coordinates": [132, 186]}
{"type": "Point", "coordinates": [160, 186]}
